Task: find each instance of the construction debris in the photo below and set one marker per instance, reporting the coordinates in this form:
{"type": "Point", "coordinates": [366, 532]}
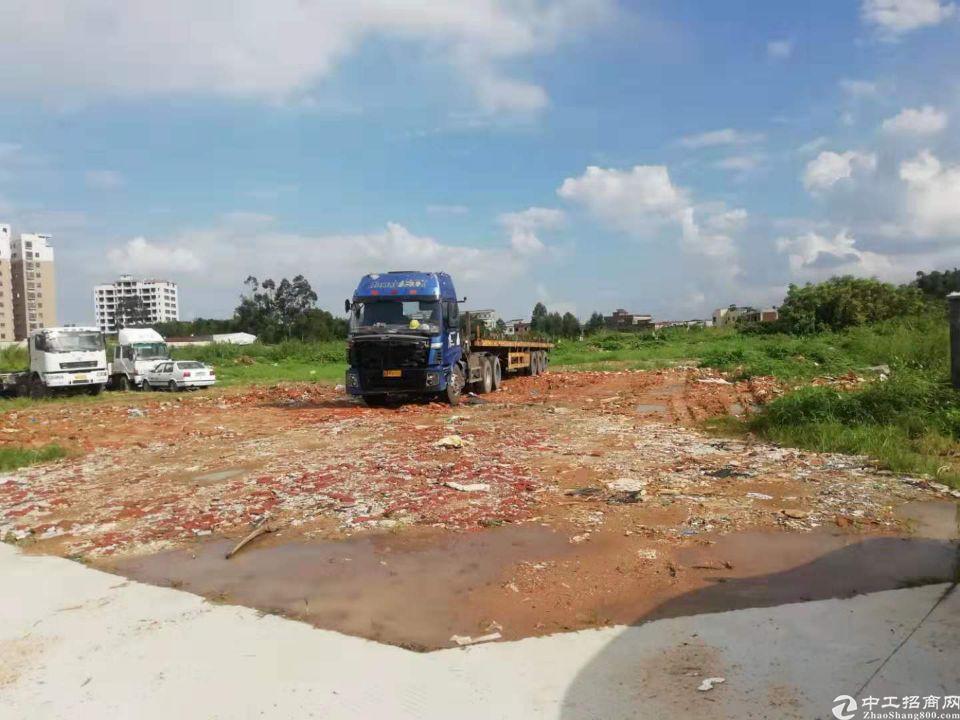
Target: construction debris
{"type": "Point", "coordinates": [709, 683]}
{"type": "Point", "coordinates": [463, 640]}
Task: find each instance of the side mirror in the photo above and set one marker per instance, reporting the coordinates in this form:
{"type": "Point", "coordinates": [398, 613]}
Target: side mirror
{"type": "Point", "coordinates": [346, 306]}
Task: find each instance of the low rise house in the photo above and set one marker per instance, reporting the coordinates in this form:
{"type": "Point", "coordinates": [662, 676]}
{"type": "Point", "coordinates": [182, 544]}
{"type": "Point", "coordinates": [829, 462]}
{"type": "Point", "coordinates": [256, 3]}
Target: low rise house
{"type": "Point", "coordinates": [623, 320]}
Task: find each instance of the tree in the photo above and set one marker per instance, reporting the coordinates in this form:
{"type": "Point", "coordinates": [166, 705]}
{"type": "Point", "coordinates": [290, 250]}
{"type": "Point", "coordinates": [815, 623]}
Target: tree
{"type": "Point", "coordinates": [595, 323]}
{"type": "Point", "coordinates": [501, 326]}
{"type": "Point", "coordinates": [937, 285]}
{"type": "Point", "coordinates": [281, 311]}
{"type": "Point", "coordinates": [538, 317]}
{"type": "Point", "coordinates": [132, 312]}
{"type": "Point", "coordinates": [842, 302]}
{"type": "Point", "coordinates": [570, 326]}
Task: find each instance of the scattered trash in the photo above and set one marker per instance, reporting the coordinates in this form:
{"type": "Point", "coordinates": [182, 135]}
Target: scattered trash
{"type": "Point", "coordinates": [577, 539]}
{"type": "Point", "coordinates": [583, 492]}
{"type": "Point", "coordinates": [726, 472]}
{"type": "Point", "coordinates": [472, 487]}
{"type": "Point", "coordinates": [714, 381]}
{"type": "Point", "coordinates": [647, 554]}
{"type": "Point", "coordinates": [262, 529]}
{"type": "Point", "coordinates": [708, 683]}
{"type": "Point", "coordinates": [795, 514]}
{"type": "Point", "coordinates": [463, 640]}
{"type": "Point", "coordinates": [135, 412]}
{"type": "Point", "coordinates": [627, 485]}
{"type": "Point", "coordinates": [759, 496]}
{"type": "Point", "coordinates": [451, 441]}
{"type": "Point", "coordinates": [626, 498]}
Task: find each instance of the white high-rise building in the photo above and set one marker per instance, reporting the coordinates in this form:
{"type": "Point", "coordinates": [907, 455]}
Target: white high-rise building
{"type": "Point", "coordinates": [115, 307]}
{"type": "Point", "coordinates": [6, 286]}
{"type": "Point", "coordinates": [34, 284]}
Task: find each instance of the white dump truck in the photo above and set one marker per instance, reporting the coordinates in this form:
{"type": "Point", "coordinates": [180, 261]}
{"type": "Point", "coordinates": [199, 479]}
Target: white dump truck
{"type": "Point", "coordinates": [61, 359]}
{"type": "Point", "coordinates": [137, 351]}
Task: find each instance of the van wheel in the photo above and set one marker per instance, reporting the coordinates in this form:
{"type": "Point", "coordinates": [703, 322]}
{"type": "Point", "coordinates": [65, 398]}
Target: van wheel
{"type": "Point", "coordinates": [497, 373]}
{"type": "Point", "coordinates": [486, 377]}
{"type": "Point", "coordinates": [455, 386]}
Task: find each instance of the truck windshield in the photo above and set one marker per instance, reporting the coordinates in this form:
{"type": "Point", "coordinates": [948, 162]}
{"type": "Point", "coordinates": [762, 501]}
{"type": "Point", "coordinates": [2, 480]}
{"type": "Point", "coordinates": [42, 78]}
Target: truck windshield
{"type": "Point", "coordinates": [151, 351]}
{"type": "Point", "coordinates": [423, 315]}
{"type": "Point", "coordinates": [75, 342]}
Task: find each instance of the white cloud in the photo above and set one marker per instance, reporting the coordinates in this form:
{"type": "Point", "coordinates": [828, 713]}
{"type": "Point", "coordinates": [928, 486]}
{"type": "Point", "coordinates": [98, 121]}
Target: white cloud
{"type": "Point", "coordinates": [633, 200]}
{"type": "Point", "coordinates": [727, 220]}
{"type": "Point", "coordinates": [893, 18]}
{"type": "Point", "coordinates": [829, 168]}
{"type": "Point", "coordinates": [714, 138]}
{"type": "Point", "coordinates": [857, 89]}
{"type": "Point", "coordinates": [103, 179]}
{"type": "Point", "coordinates": [813, 255]}
{"type": "Point", "coordinates": [213, 261]}
{"type": "Point", "coordinates": [741, 163]}
{"type": "Point", "coordinates": [277, 51]}
{"type": "Point", "coordinates": [933, 196]}
{"type": "Point", "coordinates": [141, 257]}
{"type": "Point", "coordinates": [524, 225]}
{"type": "Point", "coordinates": [916, 121]}
{"type": "Point", "coordinates": [779, 49]}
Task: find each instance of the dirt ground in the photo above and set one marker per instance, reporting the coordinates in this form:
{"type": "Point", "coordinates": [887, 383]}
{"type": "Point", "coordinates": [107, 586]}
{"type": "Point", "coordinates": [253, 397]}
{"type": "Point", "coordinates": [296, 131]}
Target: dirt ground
{"type": "Point", "coordinates": [576, 500]}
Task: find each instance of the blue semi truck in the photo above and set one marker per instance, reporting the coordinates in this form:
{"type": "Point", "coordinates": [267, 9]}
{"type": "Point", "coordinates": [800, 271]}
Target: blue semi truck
{"type": "Point", "coordinates": [408, 337]}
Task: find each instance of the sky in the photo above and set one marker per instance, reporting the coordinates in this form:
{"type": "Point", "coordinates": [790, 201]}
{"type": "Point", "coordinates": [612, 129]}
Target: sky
{"type": "Point", "coordinates": [663, 156]}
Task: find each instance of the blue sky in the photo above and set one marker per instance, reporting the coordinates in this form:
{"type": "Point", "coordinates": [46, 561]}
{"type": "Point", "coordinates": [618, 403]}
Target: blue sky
{"type": "Point", "coordinates": [667, 157]}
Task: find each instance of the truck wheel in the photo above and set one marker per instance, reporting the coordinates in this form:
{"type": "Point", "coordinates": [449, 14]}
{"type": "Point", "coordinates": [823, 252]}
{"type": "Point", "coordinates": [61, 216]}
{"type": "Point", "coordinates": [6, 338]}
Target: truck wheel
{"type": "Point", "coordinates": [497, 373]}
{"type": "Point", "coordinates": [531, 369]}
{"type": "Point", "coordinates": [375, 401]}
{"type": "Point", "coordinates": [455, 386]}
{"type": "Point", "coordinates": [541, 362]}
{"type": "Point", "coordinates": [38, 390]}
{"type": "Point", "coordinates": [486, 376]}
{"type": "Point", "coordinates": [122, 383]}
{"type": "Point", "coordinates": [95, 389]}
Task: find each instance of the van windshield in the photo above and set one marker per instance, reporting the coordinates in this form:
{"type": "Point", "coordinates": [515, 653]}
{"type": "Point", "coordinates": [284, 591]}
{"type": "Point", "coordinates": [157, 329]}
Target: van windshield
{"type": "Point", "coordinates": [151, 351]}
{"type": "Point", "coordinates": [418, 315]}
{"type": "Point", "coordinates": [74, 342]}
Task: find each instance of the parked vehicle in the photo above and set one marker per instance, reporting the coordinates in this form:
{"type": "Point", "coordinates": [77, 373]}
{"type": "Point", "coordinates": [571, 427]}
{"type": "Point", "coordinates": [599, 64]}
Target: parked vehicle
{"type": "Point", "coordinates": [138, 350]}
{"type": "Point", "coordinates": [407, 337]}
{"type": "Point", "coordinates": [176, 375]}
{"type": "Point", "coordinates": [61, 359]}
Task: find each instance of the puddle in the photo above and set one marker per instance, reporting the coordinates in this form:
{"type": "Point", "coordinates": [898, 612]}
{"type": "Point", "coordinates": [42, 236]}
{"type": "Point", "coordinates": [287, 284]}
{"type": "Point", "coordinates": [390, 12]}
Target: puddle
{"type": "Point", "coordinates": [219, 476]}
{"type": "Point", "coordinates": [932, 518]}
{"type": "Point", "coordinates": [417, 588]}
{"type": "Point", "coordinates": [411, 590]}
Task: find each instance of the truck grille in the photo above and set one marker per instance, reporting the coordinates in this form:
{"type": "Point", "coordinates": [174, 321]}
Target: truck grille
{"type": "Point", "coordinates": [80, 365]}
{"type": "Point", "coordinates": [390, 354]}
{"type": "Point", "coordinates": [412, 379]}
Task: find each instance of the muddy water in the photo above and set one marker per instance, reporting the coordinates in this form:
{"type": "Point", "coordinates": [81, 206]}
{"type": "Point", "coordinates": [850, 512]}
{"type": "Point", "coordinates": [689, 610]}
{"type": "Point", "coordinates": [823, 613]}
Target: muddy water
{"type": "Point", "coordinates": [411, 589]}
{"type": "Point", "coordinates": [418, 588]}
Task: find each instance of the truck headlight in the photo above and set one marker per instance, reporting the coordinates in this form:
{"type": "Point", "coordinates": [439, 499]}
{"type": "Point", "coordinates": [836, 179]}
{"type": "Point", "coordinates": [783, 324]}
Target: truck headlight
{"type": "Point", "coordinates": [353, 380]}
{"type": "Point", "coordinates": [433, 379]}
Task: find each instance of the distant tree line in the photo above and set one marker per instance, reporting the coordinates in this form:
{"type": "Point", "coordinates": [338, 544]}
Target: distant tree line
{"type": "Point", "coordinates": [273, 311]}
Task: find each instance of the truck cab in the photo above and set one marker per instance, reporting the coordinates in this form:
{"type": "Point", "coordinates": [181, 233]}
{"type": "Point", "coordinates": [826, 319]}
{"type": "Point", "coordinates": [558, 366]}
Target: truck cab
{"type": "Point", "coordinates": [65, 357]}
{"type": "Point", "coordinates": [404, 336]}
{"type": "Point", "coordinates": [137, 351]}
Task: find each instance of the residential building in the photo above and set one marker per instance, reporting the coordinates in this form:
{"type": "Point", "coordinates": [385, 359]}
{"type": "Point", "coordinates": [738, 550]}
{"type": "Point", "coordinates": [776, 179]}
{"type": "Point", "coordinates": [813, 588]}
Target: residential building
{"type": "Point", "coordinates": [112, 302]}
{"type": "Point", "coordinates": [623, 320]}
{"type": "Point", "coordinates": [732, 314]}
{"type": "Point", "coordinates": [487, 317]}
{"type": "Point", "coordinates": [6, 287]}
{"type": "Point", "coordinates": [516, 327]}
{"type": "Point", "coordinates": [34, 284]}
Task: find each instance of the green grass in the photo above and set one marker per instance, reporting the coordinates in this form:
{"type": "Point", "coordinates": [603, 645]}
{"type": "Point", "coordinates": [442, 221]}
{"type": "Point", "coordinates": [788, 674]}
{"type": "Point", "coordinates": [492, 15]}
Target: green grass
{"type": "Point", "coordinates": [15, 457]}
{"type": "Point", "coordinates": [259, 363]}
{"type": "Point", "coordinates": [13, 359]}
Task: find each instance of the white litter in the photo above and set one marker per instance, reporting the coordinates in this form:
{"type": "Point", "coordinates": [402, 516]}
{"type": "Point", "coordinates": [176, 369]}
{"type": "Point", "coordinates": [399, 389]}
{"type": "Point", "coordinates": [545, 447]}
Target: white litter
{"type": "Point", "coordinates": [472, 487]}
{"type": "Point", "coordinates": [708, 683]}
{"type": "Point", "coordinates": [462, 640]}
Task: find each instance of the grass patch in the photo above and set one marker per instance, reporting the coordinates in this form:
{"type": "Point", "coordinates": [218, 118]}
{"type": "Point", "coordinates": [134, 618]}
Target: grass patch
{"type": "Point", "coordinates": [260, 363]}
{"type": "Point", "coordinates": [15, 457]}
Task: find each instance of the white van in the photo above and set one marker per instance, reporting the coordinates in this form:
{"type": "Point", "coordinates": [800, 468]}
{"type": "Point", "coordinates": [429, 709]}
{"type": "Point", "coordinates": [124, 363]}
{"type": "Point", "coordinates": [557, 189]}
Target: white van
{"type": "Point", "coordinates": [138, 350]}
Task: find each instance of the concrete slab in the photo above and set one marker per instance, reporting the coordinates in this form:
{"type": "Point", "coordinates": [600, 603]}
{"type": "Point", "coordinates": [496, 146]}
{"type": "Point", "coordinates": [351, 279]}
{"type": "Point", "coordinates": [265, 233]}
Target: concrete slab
{"type": "Point", "coordinates": [77, 643]}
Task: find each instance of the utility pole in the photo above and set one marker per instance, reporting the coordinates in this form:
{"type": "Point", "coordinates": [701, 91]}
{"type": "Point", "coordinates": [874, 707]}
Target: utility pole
{"type": "Point", "coordinates": [954, 301]}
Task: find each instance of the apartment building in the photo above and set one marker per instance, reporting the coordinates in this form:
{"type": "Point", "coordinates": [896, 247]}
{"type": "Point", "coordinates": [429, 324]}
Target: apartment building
{"type": "Point", "coordinates": [6, 287]}
{"type": "Point", "coordinates": [34, 284]}
{"type": "Point", "coordinates": [115, 305]}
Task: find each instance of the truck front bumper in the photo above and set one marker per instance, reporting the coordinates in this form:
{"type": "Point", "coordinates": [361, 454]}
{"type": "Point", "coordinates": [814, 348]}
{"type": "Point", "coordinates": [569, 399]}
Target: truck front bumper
{"type": "Point", "coordinates": [410, 380]}
{"type": "Point", "coordinates": [74, 379]}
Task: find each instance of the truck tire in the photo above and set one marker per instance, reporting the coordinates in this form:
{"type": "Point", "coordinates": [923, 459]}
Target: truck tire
{"type": "Point", "coordinates": [121, 383]}
{"type": "Point", "coordinates": [497, 372]}
{"type": "Point", "coordinates": [485, 385]}
{"type": "Point", "coordinates": [541, 362]}
{"type": "Point", "coordinates": [95, 389]}
{"type": "Point", "coordinates": [531, 368]}
{"type": "Point", "coordinates": [455, 386]}
{"type": "Point", "coordinates": [38, 390]}
{"type": "Point", "coordinates": [375, 401]}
